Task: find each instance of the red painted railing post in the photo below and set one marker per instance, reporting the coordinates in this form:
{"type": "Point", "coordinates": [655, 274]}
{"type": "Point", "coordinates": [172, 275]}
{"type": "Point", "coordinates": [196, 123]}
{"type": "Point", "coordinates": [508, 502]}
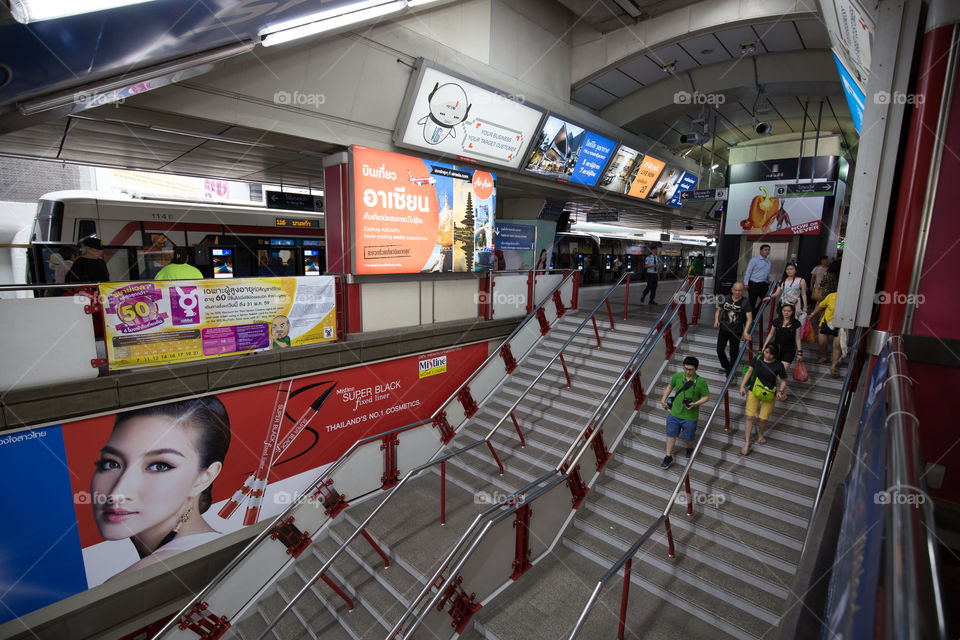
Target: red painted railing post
{"type": "Point", "coordinates": [443, 493]}
{"type": "Point", "coordinates": [595, 330]}
{"type": "Point", "coordinates": [521, 562]}
{"type": "Point", "coordinates": [495, 456]}
{"type": "Point", "coordinates": [610, 315]}
{"type": "Point", "coordinates": [698, 297]}
{"type": "Point", "coordinates": [626, 297]}
{"type": "Point", "coordinates": [575, 298]}
{"type": "Point", "coordinates": [531, 289]}
{"type": "Point", "coordinates": [726, 410]}
{"type": "Point", "coordinates": [624, 597]}
{"type": "Point", "coordinates": [376, 547]}
{"type": "Point", "coordinates": [686, 483]}
{"type": "Point", "coordinates": [671, 549]}
{"type": "Point", "coordinates": [563, 364]}
{"type": "Point", "coordinates": [516, 426]}
{"type": "Point", "coordinates": [340, 592]}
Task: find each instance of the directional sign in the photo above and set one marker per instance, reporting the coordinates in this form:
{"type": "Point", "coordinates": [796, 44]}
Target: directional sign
{"type": "Point", "coordinates": [694, 195]}
{"type": "Point", "coordinates": [604, 216]}
{"type": "Point", "coordinates": [809, 189]}
{"type": "Point", "coordinates": [294, 201]}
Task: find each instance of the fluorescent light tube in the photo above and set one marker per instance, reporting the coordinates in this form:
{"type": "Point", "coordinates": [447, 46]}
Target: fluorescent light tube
{"type": "Point", "coordinates": [328, 20]}
{"type": "Point", "coordinates": [27, 11]}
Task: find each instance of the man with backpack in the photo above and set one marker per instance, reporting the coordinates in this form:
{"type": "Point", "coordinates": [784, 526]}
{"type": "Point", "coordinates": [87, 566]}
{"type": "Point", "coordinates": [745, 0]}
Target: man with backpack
{"type": "Point", "coordinates": [683, 409]}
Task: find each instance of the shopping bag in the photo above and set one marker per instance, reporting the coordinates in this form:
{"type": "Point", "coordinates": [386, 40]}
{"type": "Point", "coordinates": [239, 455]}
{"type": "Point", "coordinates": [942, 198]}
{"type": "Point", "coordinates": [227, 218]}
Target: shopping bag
{"type": "Point", "coordinates": [800, 372]}
{"type": "Point", "coordinates": [806, 332]}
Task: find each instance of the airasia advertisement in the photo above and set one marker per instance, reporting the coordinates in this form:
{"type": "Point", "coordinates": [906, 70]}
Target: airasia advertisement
{"type": "Point", "coordinates": [418, 216]}
{"type": "Point", "coordinates": [96, 498]}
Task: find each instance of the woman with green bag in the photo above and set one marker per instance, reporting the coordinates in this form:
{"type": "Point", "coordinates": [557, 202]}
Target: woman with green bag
{"type": "Point", "coordinates": [762, 377]}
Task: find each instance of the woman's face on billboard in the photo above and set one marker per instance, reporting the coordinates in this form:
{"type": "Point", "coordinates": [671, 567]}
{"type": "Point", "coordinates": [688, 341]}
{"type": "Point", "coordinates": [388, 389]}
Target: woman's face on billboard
{"type": "Point", "coordinates": [147, 476]}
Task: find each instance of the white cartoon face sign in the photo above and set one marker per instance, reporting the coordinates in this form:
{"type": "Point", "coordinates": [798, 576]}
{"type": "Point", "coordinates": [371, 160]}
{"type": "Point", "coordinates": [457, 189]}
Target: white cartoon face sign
{"type": "Point", "coordinates": [448, 108]}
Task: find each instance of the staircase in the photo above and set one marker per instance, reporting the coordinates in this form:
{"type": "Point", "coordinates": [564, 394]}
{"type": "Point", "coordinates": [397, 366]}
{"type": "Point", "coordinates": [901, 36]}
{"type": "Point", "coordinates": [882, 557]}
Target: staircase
{"type": "Point", "coordinates": [735, 556]}
{"type": "Point", "coordinates": [408, 528]}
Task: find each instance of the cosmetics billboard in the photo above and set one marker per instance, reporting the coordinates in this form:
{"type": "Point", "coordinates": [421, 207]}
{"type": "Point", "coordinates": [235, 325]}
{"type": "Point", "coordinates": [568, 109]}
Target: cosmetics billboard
{"type": "Point", "coordinates": [419, 216]}
{"type": "Point", "coordinates": [568, 152]}
{"type": "Point", "coordinates": [104, 494]}
{"type": "Point", "coordinates": [445, 114]}
{"type": "Point", "coordinates": [754, 208]}
{"type": "Point", "coordinates": [622, 170]}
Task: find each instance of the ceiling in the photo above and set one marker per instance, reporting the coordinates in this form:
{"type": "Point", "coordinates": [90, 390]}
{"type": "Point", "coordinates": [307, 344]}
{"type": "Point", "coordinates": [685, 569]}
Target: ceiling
{"type": "Point", "coordinates": [134, 137]}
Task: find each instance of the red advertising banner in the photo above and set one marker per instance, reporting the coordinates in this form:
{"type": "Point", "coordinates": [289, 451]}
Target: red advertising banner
{"type": "Point", "coordinates": [139, 476]}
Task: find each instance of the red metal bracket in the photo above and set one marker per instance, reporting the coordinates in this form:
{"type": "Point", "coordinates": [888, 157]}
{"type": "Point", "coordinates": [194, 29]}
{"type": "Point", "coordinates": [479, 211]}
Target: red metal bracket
{"type": "Point", "coordinates": [391, 476]}
{"type": "Point", "coordinates": [599, 447]}
{"type": "Point", "coordinates": [558, 301]}
{"type": "Point", "coordinates": [577, 488]}
{"type": "Point", "coordinates": [462, 606]}
{"type": "Point", "coordinates": [96, 363]}
{"type": "Point", "coordinates": [521, 561]}
{"type": "Point", "coordinates": [333, 501]}
{"type": "Point", "coordinates": [205, 625]}
{"type": "Point", "coordinates": [542, 318]}
{"type": "Point", "coordinates": [446, 431]}
{"type": "Point", "coordinates": [509, 362]}
{"type": "Point", "coordinates": [683, 320]}
{"type": "Point", "coordinates": [292, 538]}
{"type": "Point", "coordinates": [638, 394]}
{"type": "Point", "coordinates": [469, 404]}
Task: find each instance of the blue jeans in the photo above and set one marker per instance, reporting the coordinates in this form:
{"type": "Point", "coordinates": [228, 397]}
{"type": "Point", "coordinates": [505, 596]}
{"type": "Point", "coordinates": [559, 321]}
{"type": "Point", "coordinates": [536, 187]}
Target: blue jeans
{"type": "Point", "coordinates": [675, 425]}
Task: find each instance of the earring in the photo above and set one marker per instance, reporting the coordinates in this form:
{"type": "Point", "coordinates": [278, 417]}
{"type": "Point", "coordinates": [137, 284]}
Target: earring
{"type": "Point", "coordinates": [183, 519]}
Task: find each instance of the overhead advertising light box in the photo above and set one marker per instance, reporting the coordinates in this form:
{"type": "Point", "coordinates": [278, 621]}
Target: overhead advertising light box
{"type": "Point", "coordinates": [646, 177]}
{"type": "Point", "coordinates": [687, 181]}
{"type": "Point", "coordinates": [622, 170]}
{"type": "Point", "coordinates": [566, 151]}
{"type": "Point", "coordinates": [666, 185]}
{"type": "Point", "coordinates": [418, 216]}
{"type": "Point", "coordinates": [445, 114]}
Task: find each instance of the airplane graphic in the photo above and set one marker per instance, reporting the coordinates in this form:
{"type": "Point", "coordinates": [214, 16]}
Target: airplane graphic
{"type": "Point", "coordinates": [420, 181]}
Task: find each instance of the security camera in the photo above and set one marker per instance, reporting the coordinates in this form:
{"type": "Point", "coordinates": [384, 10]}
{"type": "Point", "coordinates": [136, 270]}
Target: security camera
{"type": "Point", "coordinates": [762, 128]}
{"type": "Point", "coordinates": [689, 226]}
{"type": "Point", "coordinates": [694, 138]}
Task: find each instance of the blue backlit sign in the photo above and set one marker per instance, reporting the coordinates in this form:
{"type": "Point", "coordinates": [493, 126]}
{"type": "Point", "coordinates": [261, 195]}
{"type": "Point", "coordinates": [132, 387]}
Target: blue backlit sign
{"type": "Point", "coordinates": [687, 182]}
{"type": "Point", "coordinates": [855, 97]}
{"type": "Point", "coordinates": [592, 159]}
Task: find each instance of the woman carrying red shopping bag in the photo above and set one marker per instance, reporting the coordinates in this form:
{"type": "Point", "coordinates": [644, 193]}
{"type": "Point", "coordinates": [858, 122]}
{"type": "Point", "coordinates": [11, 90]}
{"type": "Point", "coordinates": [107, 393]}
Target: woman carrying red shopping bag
{"type": "Point", "coordinates": [785, 333]}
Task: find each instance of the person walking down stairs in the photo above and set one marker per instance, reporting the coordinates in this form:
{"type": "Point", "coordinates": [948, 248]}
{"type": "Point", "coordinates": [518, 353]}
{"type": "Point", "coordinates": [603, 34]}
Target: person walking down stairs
{"type": "Point", "coordinates": [759, 385]}
{"type": "Point", "coordinates": [683, 409]}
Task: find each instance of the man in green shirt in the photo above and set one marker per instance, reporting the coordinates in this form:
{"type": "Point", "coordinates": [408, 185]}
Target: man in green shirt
{"type": "Point", "coordinates": [691, 392]}
{"type": "Point", "coordinates": [178, 269]}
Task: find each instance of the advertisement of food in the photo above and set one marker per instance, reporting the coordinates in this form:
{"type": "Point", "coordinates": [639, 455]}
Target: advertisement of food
{"type": "Point", "coordinates": [112, 494]}
{"type": "Point", "coordinates": [166, 322]}
{"type": "Point", "coordinates": [755, 209]}
{"type": "Point", "coordinates": [417, 216]}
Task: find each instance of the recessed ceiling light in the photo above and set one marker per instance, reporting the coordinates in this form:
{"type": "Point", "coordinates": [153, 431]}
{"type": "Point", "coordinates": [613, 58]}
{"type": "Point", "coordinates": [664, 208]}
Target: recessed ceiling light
{"type": "Point", "coordinates": [706, 52]}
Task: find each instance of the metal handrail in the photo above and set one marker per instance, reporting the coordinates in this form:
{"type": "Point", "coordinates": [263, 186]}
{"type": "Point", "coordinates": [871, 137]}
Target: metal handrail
{"type": "Point", "coordinates": [329, 471]}
{"type": "Point", "coordinates": [846, 396]}
{"type": "Point", "coordinates": [628, 556]}
{"type": "Point", "coordinates": [914, 601]}
{"type": "Point", "coordinates": [540, 375]}
{"type": "Point", "coordinates": [622, 377]}
{"type": "Point", "coordinates": [413, 472]}
{"type": "Point", "coordinates": [560, 469]}
{"type": "Point", "coordinates": [513, 503]}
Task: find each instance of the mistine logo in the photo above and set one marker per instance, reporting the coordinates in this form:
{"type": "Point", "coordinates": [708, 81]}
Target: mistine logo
{"type": "Point", "coordinates": [379, 172]}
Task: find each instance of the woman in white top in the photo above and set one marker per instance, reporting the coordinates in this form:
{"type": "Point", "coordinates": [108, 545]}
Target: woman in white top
{"type": "Point", "coordinates": [791, 289]}
{"type": "Point", "coordinates": [154, 478]}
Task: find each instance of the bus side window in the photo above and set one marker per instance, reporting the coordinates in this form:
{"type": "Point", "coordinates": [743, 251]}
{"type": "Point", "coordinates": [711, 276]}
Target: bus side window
{"type": "Point", "coordinates": [86, 229]}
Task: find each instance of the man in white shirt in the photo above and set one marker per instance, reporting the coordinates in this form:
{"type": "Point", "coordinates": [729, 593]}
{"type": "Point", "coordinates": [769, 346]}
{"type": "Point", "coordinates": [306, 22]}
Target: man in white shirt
{"type": "Point", "coordinates": [757, 277]}
{"type": "Point", "coordinates": [651, 267]}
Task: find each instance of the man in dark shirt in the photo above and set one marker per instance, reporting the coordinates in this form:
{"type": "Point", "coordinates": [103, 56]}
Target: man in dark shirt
{"type": "Point", "coordinates": [733, 319]}
{"type": "Point", "coordinates": [89, 267]}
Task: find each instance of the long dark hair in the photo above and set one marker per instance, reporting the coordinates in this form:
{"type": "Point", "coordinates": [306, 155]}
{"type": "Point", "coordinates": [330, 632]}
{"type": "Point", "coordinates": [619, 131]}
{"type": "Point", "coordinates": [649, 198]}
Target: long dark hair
{"type": "Point", "coordinates": [205, 414]}
{"type": "Point", "coordinates": [796, 273]}
{"type": "Point", "coordinates": [779, 319]}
